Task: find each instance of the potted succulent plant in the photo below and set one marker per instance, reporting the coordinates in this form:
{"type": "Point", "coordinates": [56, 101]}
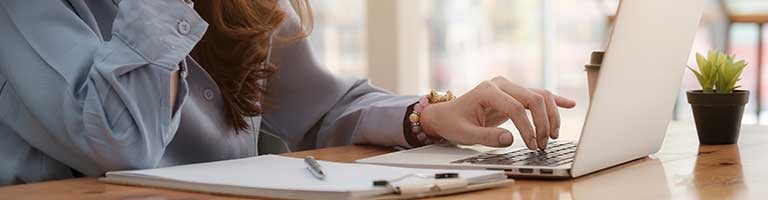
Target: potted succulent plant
{"type": "Point", "coordinates": [718, 106]}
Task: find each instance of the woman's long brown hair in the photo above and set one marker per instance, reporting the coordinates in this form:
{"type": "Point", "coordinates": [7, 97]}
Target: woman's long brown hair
{"type": "Point", "coordinates": [235, 46]}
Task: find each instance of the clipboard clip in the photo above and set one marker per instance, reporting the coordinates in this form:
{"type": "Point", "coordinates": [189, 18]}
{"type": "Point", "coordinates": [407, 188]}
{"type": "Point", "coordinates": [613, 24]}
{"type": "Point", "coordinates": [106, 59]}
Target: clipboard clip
{"type": "Point", "coordinates": [443, 182]}
{"type": "Point", "coordinates": [436, 186]}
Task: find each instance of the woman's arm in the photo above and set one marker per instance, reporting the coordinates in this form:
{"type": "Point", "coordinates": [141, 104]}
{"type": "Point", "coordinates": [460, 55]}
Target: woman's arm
{"type": "Point", "coordinates": [96, 105]}
{"type": "Point", "coordinates": [310, 108]}
{"type": "Point", "coordinates": [315, 109]}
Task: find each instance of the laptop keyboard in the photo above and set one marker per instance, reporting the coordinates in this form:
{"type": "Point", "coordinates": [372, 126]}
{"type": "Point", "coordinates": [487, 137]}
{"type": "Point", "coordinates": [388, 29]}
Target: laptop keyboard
{"type": "Point", "coordinates": [556, 154]}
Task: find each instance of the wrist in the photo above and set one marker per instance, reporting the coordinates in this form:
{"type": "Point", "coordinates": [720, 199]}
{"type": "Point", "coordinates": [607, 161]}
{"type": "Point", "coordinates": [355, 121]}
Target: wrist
{"type": "Point", "coordinates": [422, 121]}
{"type": "Point", "coordinates": [428, 121]}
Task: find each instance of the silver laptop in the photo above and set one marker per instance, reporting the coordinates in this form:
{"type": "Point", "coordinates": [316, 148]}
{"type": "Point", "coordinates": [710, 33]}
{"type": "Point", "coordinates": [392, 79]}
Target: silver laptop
{"type": "Point", "coordinates": [629, 113]}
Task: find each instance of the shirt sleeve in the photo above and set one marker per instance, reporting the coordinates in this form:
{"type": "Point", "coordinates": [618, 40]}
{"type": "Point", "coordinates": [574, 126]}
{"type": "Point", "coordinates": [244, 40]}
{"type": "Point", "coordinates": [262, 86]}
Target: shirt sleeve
{"type": "Point", "coordinates": [96, 105]}
{"type": "Point", "coordinates": [366, 114]}
{"type": "Point", "coordinates": [313, 109]}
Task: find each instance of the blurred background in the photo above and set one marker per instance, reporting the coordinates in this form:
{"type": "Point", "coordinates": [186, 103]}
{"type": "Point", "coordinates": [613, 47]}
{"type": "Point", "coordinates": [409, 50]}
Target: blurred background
{"type": "Point", "coordinates": [411, 46]}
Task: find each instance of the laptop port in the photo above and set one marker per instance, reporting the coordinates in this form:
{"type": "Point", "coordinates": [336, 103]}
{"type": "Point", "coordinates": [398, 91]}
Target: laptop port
{"type": "Point", "coordinates": [526, 170]}
{"type": "Point", "coordinates": [506, 170]}
{"type": "Point", "coordinates": [546, 171]}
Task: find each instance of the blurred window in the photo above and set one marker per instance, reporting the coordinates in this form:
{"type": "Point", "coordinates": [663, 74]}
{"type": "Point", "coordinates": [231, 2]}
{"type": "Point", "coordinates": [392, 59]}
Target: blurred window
{"type": "Point", "coordinates": [535, 43]}
{"type": "Point", "coordinates": [339, 35]}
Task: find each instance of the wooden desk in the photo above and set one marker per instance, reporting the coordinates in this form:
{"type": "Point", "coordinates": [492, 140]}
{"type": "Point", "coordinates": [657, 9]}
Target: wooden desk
{"type": "Point", "coordinates": [681, 170]}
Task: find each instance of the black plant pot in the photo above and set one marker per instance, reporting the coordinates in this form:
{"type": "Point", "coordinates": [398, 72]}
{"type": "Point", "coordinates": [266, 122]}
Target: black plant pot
{"type": "Point", "coordinates": [718, 116]}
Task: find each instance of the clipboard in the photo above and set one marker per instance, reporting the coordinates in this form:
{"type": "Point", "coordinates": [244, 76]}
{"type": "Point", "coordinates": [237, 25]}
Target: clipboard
{"type": "Point", "coordinates": [274, 176]}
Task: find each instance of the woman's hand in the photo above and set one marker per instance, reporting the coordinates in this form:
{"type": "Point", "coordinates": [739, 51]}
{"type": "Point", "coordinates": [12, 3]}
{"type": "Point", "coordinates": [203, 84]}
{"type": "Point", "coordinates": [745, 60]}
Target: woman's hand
{"type": "Point", "coordinates": [473, 118]}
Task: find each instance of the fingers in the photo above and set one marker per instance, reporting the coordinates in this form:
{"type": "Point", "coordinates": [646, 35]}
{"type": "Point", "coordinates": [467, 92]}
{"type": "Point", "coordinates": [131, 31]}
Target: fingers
{"type": "Point", "coordinates": [552, 112]}
{"type": "Point", "coordinates": [534, 102]}
{"type": "Point", "coordinates": [512, 100]}
{"type": "Point", "coordinates": [564, 102]}
{"type": "Point", "coordinates": [489, 136]}
{"type": "Point", "coordinates": [513, 109]}
{"type": "Point", "coordinates": [538, 107]}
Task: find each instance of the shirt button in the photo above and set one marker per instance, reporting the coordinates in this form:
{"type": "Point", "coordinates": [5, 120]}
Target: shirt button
{"type": "Point", "coordinates": [208, 94]}
{"type": "Point", "coordinates": [183, 27]}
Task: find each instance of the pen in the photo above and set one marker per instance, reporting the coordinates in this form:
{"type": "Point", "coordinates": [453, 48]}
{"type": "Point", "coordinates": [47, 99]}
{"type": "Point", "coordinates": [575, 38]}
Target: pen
{"type": "Point", "coordinates": [314, 167]}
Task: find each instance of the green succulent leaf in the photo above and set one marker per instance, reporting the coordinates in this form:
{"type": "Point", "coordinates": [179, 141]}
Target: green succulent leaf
{"type": "Point", "coordinates": [703, 81]}
{"type": "Point", "coordinates": [718, 72]}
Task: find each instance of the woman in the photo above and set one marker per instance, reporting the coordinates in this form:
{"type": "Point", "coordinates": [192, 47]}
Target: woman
{"type": "Point", "coordinates": [88, 87]}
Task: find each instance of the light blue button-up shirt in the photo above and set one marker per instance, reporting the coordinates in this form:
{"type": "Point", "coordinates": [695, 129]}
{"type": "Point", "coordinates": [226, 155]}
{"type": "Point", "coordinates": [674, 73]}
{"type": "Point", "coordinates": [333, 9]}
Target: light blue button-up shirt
{"type": "Point", "coordinates": [84, 87]}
